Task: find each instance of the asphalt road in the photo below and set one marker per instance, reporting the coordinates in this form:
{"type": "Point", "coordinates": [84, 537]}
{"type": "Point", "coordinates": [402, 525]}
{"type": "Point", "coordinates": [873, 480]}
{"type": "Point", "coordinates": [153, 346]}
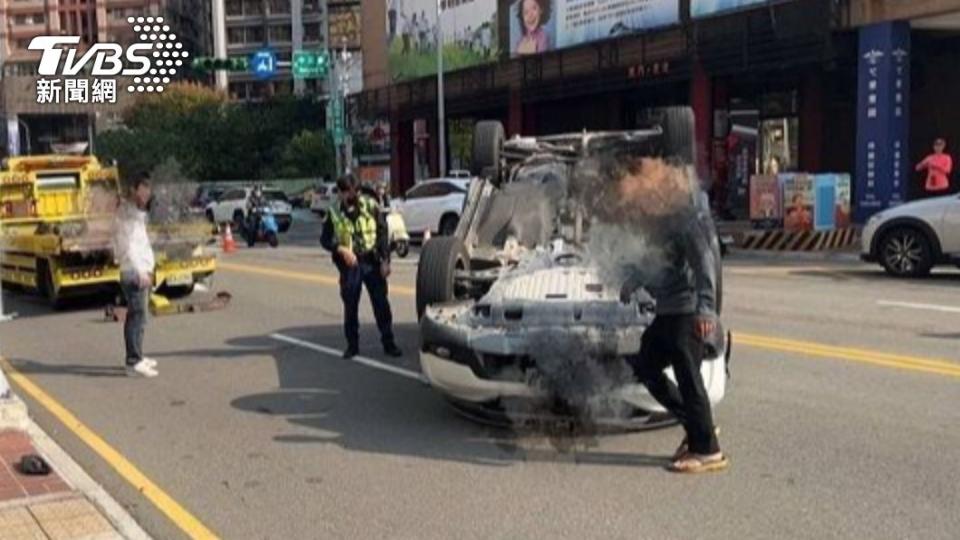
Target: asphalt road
{"type": "Point", "coordinates": [836, 423]}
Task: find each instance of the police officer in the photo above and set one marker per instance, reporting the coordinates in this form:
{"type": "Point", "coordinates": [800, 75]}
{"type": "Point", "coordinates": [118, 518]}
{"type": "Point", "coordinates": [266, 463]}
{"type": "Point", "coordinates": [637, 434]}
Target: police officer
{"type": "Point", "coordinates": [355, 233]}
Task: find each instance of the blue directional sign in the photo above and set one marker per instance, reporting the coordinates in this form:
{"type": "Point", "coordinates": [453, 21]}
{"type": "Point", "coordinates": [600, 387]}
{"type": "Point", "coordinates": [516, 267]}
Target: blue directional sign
{"type": "Point", "coordinates": [263, 63]}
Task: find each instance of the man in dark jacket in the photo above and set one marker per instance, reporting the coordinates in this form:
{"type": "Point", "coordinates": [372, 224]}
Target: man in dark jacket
{"type": "Point", "coordinates": [685, 288]}
{"type": "Point", "coordinates": [355, 233]}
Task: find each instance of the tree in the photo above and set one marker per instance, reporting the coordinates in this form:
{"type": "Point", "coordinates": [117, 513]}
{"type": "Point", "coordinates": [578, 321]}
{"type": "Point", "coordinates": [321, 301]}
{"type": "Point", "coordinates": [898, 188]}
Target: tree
{"type": "Point", "coordinates": [308, 154]}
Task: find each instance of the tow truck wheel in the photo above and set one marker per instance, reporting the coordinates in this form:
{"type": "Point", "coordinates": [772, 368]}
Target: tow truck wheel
{"type": "Point", "coordinates": [46, 285]}
{"type": "Point", "coordinates": [440, 259]}
{"type": "Point", "coordinates": [488, 139]}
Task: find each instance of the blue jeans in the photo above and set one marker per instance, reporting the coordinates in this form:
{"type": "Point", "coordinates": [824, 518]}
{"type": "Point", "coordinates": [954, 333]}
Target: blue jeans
{"type": "Point", "coordinates": [133, 327]}
{"type": "Point", "coordinates": [352, 281]}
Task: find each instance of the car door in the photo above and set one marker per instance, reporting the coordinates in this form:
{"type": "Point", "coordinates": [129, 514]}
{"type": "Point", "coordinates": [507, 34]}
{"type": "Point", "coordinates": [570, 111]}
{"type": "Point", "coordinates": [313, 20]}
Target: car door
{"type": "Point", "coordinates": [415, 206]}
{"type": "Point", "coordinates": [232, 200]}
{"type": "Point", "coordinates": [950, 235]}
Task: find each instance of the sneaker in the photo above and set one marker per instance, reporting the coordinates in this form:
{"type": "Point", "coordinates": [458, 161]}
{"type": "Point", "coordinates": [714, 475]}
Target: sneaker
{"type": "Point", "coordinates": [141, 369]}
{"type": "Point", "coordinates": [391, 349]}
{"type": "Point", "coordinates": [350, 352]}
{"type": "Point", "coordinates": [150, 362]}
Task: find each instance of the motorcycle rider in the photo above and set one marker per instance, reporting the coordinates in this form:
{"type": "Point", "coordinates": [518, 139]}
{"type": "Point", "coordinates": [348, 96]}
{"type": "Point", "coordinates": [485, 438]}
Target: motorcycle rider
{"type": "Point", "coordinates": [255, 203]}
{"type": "Point", "coordinates": [355, 233]}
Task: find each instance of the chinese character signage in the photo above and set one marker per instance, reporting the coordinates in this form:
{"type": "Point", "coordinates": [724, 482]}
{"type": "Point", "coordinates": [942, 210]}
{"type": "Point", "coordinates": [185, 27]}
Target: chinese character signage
{"type": "Point", "coordinates": [537, 26]}
{"type": "Point", "coordinates": [469, 29]}
{"type": "Point", "coordinates": [883, 119]}
{"type": "Point", "coordinates": [706, 8]}
{"type": "Point", "coordinates": [345, 26]}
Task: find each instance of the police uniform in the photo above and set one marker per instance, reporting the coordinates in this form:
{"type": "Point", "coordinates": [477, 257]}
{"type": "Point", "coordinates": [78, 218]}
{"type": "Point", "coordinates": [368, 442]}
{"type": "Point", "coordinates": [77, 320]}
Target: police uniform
{"type": "Point", "coordinates": [362, 229]}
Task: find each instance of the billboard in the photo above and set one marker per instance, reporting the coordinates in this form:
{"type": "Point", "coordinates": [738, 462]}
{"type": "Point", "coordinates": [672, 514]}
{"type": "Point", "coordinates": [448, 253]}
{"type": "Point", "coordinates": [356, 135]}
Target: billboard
{"type": "Point", "coordinates": [798, 198]}
{"type": "Point", "coordinates": [345, 25]}
{"type": "Point", "coordinates": [706, 8]}
{"type": "Point", "coordinates": [468, 27]}
{"type": "Point", "coordinates": [766, 202]}
{"type": "Point", "coordinates": [538, 26]}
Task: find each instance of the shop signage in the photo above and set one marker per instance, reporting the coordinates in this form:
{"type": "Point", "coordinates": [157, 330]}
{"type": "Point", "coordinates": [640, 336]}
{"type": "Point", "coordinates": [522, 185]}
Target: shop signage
{"type": "Point", "coordinates": [538, 26]}
{"type": "Point", "coordinates": [651, 70]}
{"type": "Point", "coordinates": [883, 105]}
{"type": "Point", "coordinates": [706, 8]}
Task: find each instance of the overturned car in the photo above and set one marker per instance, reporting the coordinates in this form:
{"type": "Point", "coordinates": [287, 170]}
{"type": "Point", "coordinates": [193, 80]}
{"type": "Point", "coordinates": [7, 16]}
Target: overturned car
{"type": "Point", "coordinates": [522, 318]}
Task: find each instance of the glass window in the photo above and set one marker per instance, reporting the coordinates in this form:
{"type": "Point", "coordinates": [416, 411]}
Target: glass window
{"type": "Point", "coordinates": [281, 33]}
{"type": "Point", "coordinates": [255, 34]}
{"type": "Point", "coordinates": [275, 195]}
{"type": "Point", "coordinates": [252, 7]}
{"type": "Point", "coordinates": [311, 32]}
{"type": "Point", "coordinates": [428, 190]}
{"type": "Point", "coordinates": [279, 7]}
{"type": "Point", "coordinates": [234, 8]}
{"type": "Point", "coordinates": [236, 35]}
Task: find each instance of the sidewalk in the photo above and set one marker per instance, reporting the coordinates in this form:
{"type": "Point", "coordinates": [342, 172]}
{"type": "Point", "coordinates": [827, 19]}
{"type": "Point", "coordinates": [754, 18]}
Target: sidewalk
{"type": "Point", "coordinates": [64, 505]}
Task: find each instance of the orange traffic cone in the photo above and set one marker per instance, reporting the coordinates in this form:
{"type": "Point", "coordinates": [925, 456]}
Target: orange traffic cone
{"type": "Point", "coordinates": [229, 246]}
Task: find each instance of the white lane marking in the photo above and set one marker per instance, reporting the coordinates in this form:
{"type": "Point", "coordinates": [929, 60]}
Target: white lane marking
{"type": "Point", "coordinates": [912, 305]}
{"type": "Point", "coordinates": [369, 362]}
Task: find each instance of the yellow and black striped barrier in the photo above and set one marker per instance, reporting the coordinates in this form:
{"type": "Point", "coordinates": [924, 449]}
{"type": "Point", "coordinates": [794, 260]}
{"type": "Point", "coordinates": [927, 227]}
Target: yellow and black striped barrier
{"type": "Point", "coordinates": [781, 240]}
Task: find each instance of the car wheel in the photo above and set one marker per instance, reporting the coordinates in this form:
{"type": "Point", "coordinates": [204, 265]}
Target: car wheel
{"type": "Point", "coordinates": [210, 217]}
{"type": "Point", "coordinates": [448, 225]}
{"type": "Point", "coordinates": [679, 136]}
{"type": "Point", "coordinates": [440, 259]}
{"type": "Point", "coordinates": [488, 139]}
{"type": "Point", "coordinates": [403, 249]}
{"type": "Point", "coordinates": [47, 287]}
{"type": "Point", "coordinates": [906, 252]}
{"type": "Point", "coordinates": [273, 240]}
{"type": "Point", "coordinates": [238, 219]}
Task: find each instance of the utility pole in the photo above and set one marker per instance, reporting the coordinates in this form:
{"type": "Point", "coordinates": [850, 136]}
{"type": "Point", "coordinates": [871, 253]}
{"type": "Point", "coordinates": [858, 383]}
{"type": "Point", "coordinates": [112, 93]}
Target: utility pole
{"type": "Point", "coordinates": [219, 17]}
{"type": "Point", "coordinates": [441, 109]}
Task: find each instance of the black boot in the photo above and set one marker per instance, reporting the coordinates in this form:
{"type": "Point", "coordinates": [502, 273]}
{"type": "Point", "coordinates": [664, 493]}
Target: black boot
{"type": "Point", "coordinates": [351, 351]}
{"type": "Point", "coordinates": [391, 349]}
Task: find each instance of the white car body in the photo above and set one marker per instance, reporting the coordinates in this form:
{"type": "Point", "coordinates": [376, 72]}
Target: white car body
{"type": "Point", "coordinates": [233, 202]}
{"type": "Point", "coordinates": [325, 195]}
{"type": "Point", "coordinates": [936, 219]}
{"type": "Point", "coordinates": [430, 203]}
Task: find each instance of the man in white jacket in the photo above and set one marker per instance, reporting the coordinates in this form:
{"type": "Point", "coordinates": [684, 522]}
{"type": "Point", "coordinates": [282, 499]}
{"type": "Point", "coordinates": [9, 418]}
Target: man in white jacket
{"type": "Point", "coordinates": [134, 255]}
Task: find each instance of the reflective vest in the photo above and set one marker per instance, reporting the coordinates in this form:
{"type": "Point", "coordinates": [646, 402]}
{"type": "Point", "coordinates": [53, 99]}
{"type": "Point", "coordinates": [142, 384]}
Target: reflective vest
{"type": "Point", "coordinates": [363, 231]}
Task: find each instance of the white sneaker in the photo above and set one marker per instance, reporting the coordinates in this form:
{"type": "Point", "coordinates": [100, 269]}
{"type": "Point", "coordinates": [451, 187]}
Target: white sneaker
{"type": "Point", "coordinates": [141, 369]}
{"type": "Point", "coordinates": [150, 362]}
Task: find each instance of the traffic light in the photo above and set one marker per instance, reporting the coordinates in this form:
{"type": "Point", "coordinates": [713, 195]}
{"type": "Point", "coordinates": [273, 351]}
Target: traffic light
{"type": "Point", "coordinates": [205, 63]}
{"type": "Point", "coordinates": [310, 64]}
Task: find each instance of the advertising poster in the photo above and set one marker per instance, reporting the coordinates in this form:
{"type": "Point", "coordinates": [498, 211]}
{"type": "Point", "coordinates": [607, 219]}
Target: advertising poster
{"type": "Point", "coordinates": [825, 205]}
{"type": "Point", "coordinates": [345, 26]}
{"type": "Point", "coordinates": [766, 202]}
{"type": "Point", "coordinates": [538, 26]}
{"type": "Point", "coordinates": [844, 200]}
{"type": "Point", "coordinates": [469, 29]}
{"type": "Point", "coordinates": [797, 201]}
{"type": "Point", "coordinates": [706, 8]}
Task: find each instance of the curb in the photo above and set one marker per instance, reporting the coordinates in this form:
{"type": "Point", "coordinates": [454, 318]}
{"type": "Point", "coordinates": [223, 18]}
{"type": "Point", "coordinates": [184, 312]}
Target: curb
{"type": "Point", "coordinates": [14, 415]}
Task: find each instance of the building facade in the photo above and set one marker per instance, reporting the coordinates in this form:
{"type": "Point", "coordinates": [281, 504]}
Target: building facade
{"type": "Point", "coordinates": [775, 85]}
{"type": "Point", "coordinates": [32, 126]}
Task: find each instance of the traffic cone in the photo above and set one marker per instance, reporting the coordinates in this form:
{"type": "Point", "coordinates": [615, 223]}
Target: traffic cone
{"type": "Point", "coordinates": [229, 246]}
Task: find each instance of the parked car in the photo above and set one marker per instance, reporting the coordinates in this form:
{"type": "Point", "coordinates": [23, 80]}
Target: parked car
{"type": "Point", "coordinates": [206, 195]}
{"type": "Point", "coordinates": [910, 239]}
{"type": "Point", "coordinates": [323, 197]}
{"type": "Point", "coordinates": [434, 205]}
{"type": "Point", "coordinates": [518, 322]}
{"type": "Point", "coordinates": [231, 207]}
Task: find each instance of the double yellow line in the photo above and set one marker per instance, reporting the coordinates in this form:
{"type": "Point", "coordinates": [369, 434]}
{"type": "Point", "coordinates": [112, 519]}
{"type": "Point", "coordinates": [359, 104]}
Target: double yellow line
{"type": "Point", "coordinates": [804, 348]}
{"type": "Point", "coordinates": [896, 361]}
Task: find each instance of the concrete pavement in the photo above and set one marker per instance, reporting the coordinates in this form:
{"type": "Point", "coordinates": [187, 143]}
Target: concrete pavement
{"type": "Point", "coordinates": [260, 438]}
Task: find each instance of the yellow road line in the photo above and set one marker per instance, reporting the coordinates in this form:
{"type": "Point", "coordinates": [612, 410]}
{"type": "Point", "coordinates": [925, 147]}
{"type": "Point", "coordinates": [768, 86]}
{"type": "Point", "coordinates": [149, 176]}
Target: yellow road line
{"type": "Point", "coordinates": [171, 508]}
{"type": "Point", "coordinates": [909, 363]}
{"type": "Point", "coordinates": [299, 276]}
{"type": "Point", "coordinates": [863, 356]}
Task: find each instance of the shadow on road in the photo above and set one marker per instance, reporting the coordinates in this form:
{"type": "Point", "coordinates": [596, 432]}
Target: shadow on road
{"type": "Point", "coordinates": [941, 336]}
{"type": "Point", "coordinates": [328, 400]}
{"type": "Point", "coordinates": [936, 279]}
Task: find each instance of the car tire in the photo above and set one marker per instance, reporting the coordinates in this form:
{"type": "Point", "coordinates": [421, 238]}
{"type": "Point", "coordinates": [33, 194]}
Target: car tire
{"type": "Point", "coordinates": [238, 221]}
{"type": "Point", "coordinates": [488, 137]}
{"type": "Point", "coordinates": [679, 134]}
{"type": "Point", "coordinates": [210, 218]}
{"type": "Point", "coordinates": [906, 252]}
{"type": "Point", "coordinates": [46, 286]}
{"type": "Point", "coordinates": [440, 258]}
{"type": "Point", "coordinates": [273, 240]}
{"type": "Point", "coordinates": [448, 225]}
{"type": "Point", "coordinates": [403, 249]}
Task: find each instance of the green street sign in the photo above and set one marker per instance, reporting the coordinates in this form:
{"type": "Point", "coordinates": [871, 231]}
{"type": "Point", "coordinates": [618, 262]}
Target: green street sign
{"type": "Point", "coordinates": [310, 64]}
{"type": "Point", "coordinates": [207, 64]}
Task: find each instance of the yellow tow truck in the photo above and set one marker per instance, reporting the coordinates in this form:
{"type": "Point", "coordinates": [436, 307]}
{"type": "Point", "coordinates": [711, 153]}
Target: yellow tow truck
{"type": "Point", "coordinates": [56, 223]}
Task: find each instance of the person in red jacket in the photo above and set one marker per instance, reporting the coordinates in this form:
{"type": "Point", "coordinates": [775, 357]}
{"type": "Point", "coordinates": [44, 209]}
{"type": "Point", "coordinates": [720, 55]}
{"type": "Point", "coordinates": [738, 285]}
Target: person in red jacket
{"type": "Point", "coordinates": [938, 165]}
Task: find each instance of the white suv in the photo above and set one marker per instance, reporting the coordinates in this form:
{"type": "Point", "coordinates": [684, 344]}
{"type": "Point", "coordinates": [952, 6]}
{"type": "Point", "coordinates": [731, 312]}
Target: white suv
{"type": "Point", "coordinates": [231, 207]}
{"type": "Point", "coordinates": [433, 205]}
{"type": "Point", "coordinates": [910, 239]}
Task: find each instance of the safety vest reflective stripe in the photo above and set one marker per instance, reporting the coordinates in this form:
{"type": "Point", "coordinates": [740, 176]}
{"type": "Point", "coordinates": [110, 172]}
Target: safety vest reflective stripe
{"type": "Point", "coordinates": [365, 226]}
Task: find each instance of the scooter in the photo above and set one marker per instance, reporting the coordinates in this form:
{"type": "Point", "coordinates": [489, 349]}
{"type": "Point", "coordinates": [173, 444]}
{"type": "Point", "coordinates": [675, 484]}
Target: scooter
{"type": "Point", "coordinates": [261, 226]}
{"type": "Point", "coordinates": [397, 230]}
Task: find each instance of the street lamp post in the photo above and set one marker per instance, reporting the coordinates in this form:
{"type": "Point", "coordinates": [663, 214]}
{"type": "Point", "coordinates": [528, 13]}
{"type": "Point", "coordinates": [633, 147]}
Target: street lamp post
{"type": "Point", "coordinates": [441, 109]}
